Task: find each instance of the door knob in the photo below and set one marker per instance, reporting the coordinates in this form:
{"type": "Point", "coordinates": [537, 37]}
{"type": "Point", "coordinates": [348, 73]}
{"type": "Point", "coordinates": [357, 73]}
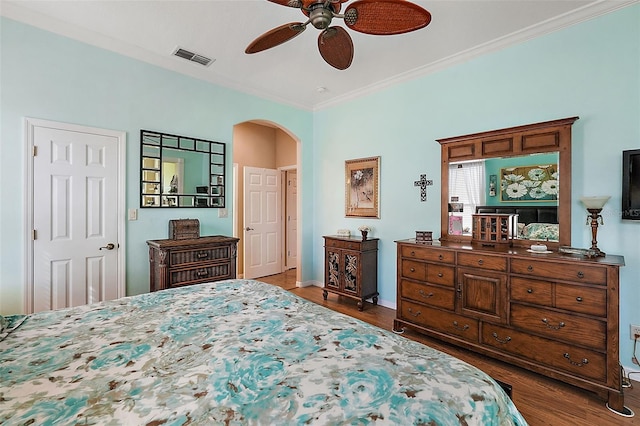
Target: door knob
{"type": "Point", "coordinates": [248, 229]}
{"type": "Point", "coordinates": [109, 246]}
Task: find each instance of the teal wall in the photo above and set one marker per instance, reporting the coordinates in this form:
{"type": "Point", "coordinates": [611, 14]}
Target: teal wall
{"type": "Point", "coordinates": [590, 70]}
{"type": "Point", "coordinates": [47, 76]}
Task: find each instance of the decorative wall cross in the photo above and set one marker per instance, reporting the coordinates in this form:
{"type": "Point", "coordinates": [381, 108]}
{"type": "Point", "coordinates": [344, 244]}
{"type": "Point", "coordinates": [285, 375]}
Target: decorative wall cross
{"type": "Point", "coordinates": [423, 183]}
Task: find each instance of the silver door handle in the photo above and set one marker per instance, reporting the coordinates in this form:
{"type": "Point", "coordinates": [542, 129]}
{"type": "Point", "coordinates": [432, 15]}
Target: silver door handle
{"type": "Point", "coordinates": [248, 229]}
{"type": "Point", "coordinates": [109, 246]}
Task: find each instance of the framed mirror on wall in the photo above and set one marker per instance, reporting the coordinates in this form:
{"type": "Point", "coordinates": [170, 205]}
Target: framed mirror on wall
{"type": "Point", "coordinates": [523, 170]}
{"type": "Point", "coordinates": [179, 171]}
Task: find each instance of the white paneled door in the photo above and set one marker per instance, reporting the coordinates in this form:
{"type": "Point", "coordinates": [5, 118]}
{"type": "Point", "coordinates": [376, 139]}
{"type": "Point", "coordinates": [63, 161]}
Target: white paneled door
{"type": "Point", "coordinates": [77, 210]}
{"type": "Point", "coordinates": [292, 218]}
{"type": "Point", "coordinates": [262, 222]}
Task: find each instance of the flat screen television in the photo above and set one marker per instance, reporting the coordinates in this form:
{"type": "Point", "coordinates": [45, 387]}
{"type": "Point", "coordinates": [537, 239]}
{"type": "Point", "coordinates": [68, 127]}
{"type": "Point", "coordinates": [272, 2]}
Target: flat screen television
{"type": "Point", "coordinates": [631, 184]}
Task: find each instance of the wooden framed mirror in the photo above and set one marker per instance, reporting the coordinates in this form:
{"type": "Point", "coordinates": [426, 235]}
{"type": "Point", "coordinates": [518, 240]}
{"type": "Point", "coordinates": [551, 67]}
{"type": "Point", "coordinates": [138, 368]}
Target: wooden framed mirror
{"type": "Point", "coordinates": [541, 149]}
{"type": "Point", "coordinates": [178, 171]}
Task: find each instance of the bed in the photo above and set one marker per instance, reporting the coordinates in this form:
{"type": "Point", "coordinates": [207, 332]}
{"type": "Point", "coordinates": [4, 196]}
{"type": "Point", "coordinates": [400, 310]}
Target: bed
{"type": "Point", "coordinates": [534, 223]}
{"type": "Point", "coordinates": [232, 352]}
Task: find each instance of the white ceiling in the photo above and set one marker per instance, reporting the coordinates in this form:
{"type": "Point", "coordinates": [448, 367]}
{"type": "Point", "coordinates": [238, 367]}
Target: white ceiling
{"type": "Point", "coordinates": [294, 71]}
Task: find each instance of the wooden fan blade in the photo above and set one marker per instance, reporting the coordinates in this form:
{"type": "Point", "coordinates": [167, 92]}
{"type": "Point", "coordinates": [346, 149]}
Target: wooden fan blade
{"type": "Point", "coordinates": [385, 17]}
{"type": "Point", "coordinates": [291, 3]}
{"type": "Point", "coordinates": [336, 47]}
{"type": "Point", "coordinates": [275, 37]}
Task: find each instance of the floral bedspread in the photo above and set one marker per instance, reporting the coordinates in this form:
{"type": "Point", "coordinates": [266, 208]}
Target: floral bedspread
{"type": "Point", "coordinates": [232, 352]}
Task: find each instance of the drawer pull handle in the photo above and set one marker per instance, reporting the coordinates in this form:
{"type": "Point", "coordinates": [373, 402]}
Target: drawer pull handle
{"type": "Point", "coordinates": [584, 362]}
{"type": "Point", "coordinates": [440, 275]}
{"type": "Point", "coordinates": [530, 268]}
{"type": "Point", "coordinates": [417, 314]}
{"type": "Point", "coordinates": [578, 299]}
{"type": "Point", "coordinates": [480, 262]}
{"type": "Point", "coordinates": [553, 327]}
{"type": "Point", "coordinates": [203, 273]}
{"type": "Point", "coordinates": [425, 295]}
{"type": "Point", "coordinates": [529, 290]}
{"type": "Point", "coordinates": [499, 340]}
{"type": "Point", "coordinates": [440, 257]}
{"type": "Point", "coordinates": [413, 253]}
{"type": "Point", "coordinates": [457, 327]}
{"type": "Point", "coordinates": [412, 269]}
{"type": "Point", "coordinates": [580, 274]}
{"type": "Point", "coordinates": [202, 255]}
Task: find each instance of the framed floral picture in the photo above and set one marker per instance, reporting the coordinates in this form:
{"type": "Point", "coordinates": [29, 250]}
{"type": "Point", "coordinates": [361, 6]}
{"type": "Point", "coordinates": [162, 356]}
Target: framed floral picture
{"type": "Point", "coordinates": [529, 183]}
{"type": "Point", "coordinates": [362, 187]}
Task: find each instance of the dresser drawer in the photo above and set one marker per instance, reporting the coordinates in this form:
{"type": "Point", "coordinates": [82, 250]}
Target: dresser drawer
{"type": "Point", "coordinates": [442, 321]}
{"type": "Point", "coordinates": [441, 274]}
{"type": "Point", "coordinates": [431, 272]}
{"type": "Point", "coordinates": [560, 271]}
{"type": "Point", "coordinates": [483, 261]}
{"type": "Point", "coordinates": [560, 326]}
{"type": "Point", "coordinates": [205, 254]}
{"type": "Point", "coordinates": [414, 270]}
{"type": "Point", "coordinates": [424, 253]}
{"type": "Point", "coordinates": [180, 277]}
{"type": "Point", "coordinates": [428, 294]}
{"type": "Point", "coordinates": [532, 291]}
{"type": "Point", "coordinates": [586, 300]}
{"type": "Point", "coordinates": [560, 355]}
{"type": "Point", "coordinates": [342, 244]}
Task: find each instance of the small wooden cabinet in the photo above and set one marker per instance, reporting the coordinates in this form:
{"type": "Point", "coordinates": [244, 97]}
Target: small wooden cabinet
{"type": "Point", "coordinates": [176, 263]}
{"type": "Point", "coordinates": [551, 313]}
{"type": "Point", "coordinates": [351, 268]}
{"type": "Point", "coordinates": [491, 229]}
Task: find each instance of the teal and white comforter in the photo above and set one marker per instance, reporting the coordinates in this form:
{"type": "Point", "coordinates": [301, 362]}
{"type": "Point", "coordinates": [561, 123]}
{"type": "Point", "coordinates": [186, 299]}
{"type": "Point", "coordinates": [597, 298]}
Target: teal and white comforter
{"type": "Point", "coordinates": [233, 352]}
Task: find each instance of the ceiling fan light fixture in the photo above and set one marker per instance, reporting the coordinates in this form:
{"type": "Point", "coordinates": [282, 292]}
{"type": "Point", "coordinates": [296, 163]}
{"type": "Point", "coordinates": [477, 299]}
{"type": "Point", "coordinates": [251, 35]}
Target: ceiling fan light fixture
{"type": "Point", "coordinates": [320, 16]}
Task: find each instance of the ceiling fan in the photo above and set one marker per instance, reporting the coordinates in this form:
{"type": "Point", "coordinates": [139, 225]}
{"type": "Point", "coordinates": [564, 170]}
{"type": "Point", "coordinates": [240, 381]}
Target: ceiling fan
{"type": "Point", "coordinates": [377, 17]}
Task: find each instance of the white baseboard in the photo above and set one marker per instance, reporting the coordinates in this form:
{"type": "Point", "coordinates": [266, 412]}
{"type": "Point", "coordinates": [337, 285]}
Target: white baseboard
{"type": "Point", "coordinates": [632, 372]}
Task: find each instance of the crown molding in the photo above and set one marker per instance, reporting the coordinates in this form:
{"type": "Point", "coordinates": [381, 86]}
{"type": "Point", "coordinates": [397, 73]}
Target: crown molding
{"type": "Point", "coordinates": [560, 22]}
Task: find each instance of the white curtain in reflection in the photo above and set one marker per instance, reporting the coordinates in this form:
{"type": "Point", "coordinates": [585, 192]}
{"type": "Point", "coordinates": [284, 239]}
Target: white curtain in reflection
{"type": "Point", "coordinates": [467, 183]}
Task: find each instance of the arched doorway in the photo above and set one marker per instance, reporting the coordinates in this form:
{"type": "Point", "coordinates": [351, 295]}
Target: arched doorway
{"type": "Point", "coordinates": [265, 145]}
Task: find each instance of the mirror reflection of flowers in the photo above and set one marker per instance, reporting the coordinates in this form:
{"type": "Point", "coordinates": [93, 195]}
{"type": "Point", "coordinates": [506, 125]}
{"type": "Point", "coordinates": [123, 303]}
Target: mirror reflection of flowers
{"type": "Point", "coordinates": [534, 183]}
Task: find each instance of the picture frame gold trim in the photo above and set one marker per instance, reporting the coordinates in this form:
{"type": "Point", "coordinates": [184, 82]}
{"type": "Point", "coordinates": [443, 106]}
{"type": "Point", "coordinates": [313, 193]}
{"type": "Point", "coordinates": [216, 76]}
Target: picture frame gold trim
{"type": "Point", "coordinates": [362, 183]}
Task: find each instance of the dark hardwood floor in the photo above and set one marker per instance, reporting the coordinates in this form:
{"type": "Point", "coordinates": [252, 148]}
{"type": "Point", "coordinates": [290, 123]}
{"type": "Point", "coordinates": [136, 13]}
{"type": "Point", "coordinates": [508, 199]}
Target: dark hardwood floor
{"type": "Point", "coordinates": [541, 401]}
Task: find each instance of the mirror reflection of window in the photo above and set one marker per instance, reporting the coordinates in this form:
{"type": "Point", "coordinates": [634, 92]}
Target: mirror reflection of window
{"type": "Point", "coordinates": [467, 186]}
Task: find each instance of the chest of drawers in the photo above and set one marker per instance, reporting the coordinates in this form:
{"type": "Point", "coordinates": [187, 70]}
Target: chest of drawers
{"type": "Point", "coordinates": [554, 314]}
{"type": "Point", "coordinates": [176, 263]}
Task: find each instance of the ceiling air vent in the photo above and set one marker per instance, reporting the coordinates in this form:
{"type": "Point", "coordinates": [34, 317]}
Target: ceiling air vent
{"type": "Point", "coordinates": [193, 57]}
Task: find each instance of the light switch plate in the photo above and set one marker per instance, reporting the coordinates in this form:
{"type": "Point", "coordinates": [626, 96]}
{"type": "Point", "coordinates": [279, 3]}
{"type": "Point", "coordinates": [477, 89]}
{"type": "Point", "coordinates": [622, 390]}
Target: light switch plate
{"type": "Point", "coordinates": [133, 214]}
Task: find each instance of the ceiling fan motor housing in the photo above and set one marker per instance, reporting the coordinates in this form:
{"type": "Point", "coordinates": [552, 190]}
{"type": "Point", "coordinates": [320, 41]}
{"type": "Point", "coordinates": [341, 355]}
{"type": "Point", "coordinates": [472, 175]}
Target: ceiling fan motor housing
{"type": "Point", "coordinates": [320, 16]}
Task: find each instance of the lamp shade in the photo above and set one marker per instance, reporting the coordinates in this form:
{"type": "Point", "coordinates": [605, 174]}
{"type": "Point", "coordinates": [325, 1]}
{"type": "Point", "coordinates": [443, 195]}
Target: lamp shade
{"type": "Point", "coordinates": [594, 202]}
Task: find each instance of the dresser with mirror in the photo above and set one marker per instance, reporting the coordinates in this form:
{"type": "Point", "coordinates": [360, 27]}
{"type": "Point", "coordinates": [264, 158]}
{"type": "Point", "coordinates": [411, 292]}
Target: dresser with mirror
{"type": "Point", "coordinates": [552, 313]}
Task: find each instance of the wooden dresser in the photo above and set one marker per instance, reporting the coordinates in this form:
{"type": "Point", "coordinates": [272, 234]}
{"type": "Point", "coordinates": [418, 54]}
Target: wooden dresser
{"type": "Point", "coordinates": [176, 263]}
{"type": "Point", "coordinates": [553, 314]}
{"type": "Point", "coordinates": [351, 268]}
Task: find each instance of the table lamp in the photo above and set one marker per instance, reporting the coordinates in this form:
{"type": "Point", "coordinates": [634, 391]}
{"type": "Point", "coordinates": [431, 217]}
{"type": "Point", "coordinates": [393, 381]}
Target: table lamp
{"type": "Point", "coordinates": [594, 206]}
